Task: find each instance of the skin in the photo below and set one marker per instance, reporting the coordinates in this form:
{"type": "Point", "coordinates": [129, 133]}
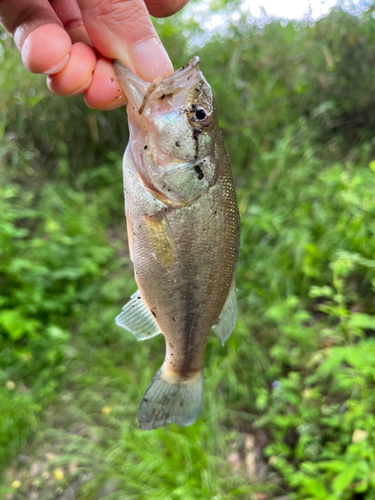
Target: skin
{"type": "Point", "coordinates": [184, 233]}
{"type": "Point", "coordinates": [74, 41]}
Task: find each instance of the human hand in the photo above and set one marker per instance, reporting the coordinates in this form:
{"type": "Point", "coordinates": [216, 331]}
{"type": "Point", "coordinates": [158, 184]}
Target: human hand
{"type": "Point", "coordinates": [74, 41]}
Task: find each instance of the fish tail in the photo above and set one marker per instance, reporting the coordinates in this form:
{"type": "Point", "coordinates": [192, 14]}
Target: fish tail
{"type": "Point", "coordinates": [171, 398]}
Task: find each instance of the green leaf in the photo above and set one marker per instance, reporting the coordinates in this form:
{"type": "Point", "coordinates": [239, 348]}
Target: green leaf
{"type": "Point", "coordinates": [360, 320]}
{"type": "Point", "coordinates": [17, 325]}
{"type": "Point", "coordinates": [316, 488]}
{"type": "Point", "coordinates": [13, 323]}
{"type": "Point", "coordinates": [344, 479]}
{"type": "Point", "coordinates": [333, 465]}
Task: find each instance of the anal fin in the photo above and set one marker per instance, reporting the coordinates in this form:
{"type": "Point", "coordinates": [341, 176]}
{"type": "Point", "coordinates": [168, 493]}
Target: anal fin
{"type": "Point", "coordinates": [227, 319]}
{"type": "Point", "coordinates": [137, 319]}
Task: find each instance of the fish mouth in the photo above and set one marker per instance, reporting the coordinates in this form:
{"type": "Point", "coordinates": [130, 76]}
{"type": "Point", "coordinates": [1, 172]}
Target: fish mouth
{"type": "Point", "coordinates": [182, 72]}
{"type": "Point", "coordinates": [139, 92]}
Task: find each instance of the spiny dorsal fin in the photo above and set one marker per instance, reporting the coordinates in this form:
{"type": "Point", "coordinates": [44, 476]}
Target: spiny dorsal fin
{"type": "Point", "coordinates": [227, 319]}
{"type": "Point", "coordinates": [137, 319]}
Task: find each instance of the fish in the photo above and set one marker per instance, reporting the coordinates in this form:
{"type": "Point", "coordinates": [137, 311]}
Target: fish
{"type": "Point", "coordinates": [183, 230]}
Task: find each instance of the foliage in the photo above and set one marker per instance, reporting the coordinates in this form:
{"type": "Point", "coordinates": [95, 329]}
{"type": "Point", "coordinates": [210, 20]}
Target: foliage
{"type": "Point", "coordinates": [296, 378]}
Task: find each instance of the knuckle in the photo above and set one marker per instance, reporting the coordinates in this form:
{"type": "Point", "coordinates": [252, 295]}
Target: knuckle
{"type": "Point", "coordinates": [117, 11]}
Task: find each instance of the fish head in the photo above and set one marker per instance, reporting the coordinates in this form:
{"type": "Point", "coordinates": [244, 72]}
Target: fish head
{"type": "Point", "coordinates": [173, 132]}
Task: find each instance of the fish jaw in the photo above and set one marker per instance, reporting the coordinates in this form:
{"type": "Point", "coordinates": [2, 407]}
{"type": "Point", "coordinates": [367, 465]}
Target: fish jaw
{"type": "Point", "coordinates": [134, 87]}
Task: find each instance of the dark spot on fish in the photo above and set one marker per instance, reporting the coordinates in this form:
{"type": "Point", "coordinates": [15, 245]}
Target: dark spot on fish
{"type": "Point", "coordinates": [165, 400]}
{"type": "Point", "coordinates": [170, 345]}
{"type": "Point", "coordinates": [196, 133]}
{"type": "Point", "coordinates": [162, 97]}
{"type": "Point", "coordinates": [112, 79]}
{"type": "Point", "coordinates": [116, 97]}
{"type": "Point", "coordinates": [145, 400]}
{"type": "Point", "coordinates": [145, 146]}
{"type": "Point", "coordinates": [181, 404]}
{"type": "Point", "coordinates": [171, 354]}
{"type": "Point", "coordinates": [189, 77]}
{"type": "Point", "coordinates": [152, 312]}
{"type": "Point", "coordinates": [199, 172]}
{"type": "Point", "coordinates": [177, 144]}
{"type": "Point", "coordinates": [168, 190]}
{"type": "Point", "coordinates": [184, 66]}
{"type": "Point", "coordinates": [173, 319]}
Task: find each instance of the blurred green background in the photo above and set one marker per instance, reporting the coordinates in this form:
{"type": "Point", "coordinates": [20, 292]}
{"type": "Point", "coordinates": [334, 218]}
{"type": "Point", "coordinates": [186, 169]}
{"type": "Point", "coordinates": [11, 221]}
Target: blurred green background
{"type": "Point", "coordinates": [289, 404]}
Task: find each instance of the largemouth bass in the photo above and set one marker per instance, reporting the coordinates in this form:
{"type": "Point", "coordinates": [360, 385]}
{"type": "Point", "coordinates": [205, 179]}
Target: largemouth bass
{"type": "Point", "coordinates": [183, 231]}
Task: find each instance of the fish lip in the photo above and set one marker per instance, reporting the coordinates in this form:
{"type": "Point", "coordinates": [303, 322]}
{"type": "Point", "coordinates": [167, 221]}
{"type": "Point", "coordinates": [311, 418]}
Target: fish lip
{"type": "Point", "coordinates": [133, 86]}
{"type": "Point", "coordinates": [183, 71]}
{"type": "Point", "coordinates": [136, 89]}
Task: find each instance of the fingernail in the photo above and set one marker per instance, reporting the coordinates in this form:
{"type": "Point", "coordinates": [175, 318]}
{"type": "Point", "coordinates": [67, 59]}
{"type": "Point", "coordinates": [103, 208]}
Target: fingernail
{"type": "Point", "coordinates": [58, 67]}
{"type": "Point", "coordinates": [120, 101]}
{"type": "Point", "coordinates": [151, 60]}
{"type": "Point", "coordinates": [78, 91]}
{"type": "Point", "coordinates": [82, 89]}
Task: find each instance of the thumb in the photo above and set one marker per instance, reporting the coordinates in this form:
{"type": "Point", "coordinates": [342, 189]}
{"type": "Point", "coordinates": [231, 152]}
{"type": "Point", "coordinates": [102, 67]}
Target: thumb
{"type": "Point", "coordinates": [123, 30]}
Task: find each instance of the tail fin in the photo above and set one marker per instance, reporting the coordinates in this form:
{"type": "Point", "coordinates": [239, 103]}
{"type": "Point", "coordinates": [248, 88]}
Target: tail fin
{"type": "Point", "coordinates": [170, 398]}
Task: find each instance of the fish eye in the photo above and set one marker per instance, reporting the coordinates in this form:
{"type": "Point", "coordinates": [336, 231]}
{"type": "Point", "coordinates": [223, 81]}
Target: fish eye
{"type": "Point", "coordinates": [200, 114]}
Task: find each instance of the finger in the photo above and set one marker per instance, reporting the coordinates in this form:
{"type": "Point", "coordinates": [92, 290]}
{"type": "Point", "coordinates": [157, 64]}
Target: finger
{"type": "Point", "coordinates": [105, 91]}
{"type": "Point", "coordinates": [38, 34]}
{"type": "Point", "coordinates": [164, 8]}
{"type": "Point", "coordinates": [70, 16]}
{"type": "Point", "coordinates": [124, 31]}
{"type": "Point", "coordinates": [76, 77]}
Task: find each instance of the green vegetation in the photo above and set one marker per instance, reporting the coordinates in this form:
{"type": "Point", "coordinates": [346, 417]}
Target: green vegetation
{"type": "Point", "coordinates": [289, 401]}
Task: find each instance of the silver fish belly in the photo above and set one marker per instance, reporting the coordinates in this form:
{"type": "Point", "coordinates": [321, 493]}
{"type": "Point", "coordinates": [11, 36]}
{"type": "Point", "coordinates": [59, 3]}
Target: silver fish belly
{"type": "Point", "coordinates": [183, 230]}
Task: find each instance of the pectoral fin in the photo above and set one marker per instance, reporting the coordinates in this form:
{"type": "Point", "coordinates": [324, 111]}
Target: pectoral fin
{"type": "Point", "coordinates": [161, 238]}
{"type": "Point", "coordinates": [137, 319]}
{"type": "Point", "coordinates": [227, 319]}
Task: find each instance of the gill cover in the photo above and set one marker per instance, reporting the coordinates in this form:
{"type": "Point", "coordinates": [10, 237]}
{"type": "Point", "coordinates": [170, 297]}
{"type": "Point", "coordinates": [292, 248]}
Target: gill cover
{"type": "Point", "coordinates": [172, 132]}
